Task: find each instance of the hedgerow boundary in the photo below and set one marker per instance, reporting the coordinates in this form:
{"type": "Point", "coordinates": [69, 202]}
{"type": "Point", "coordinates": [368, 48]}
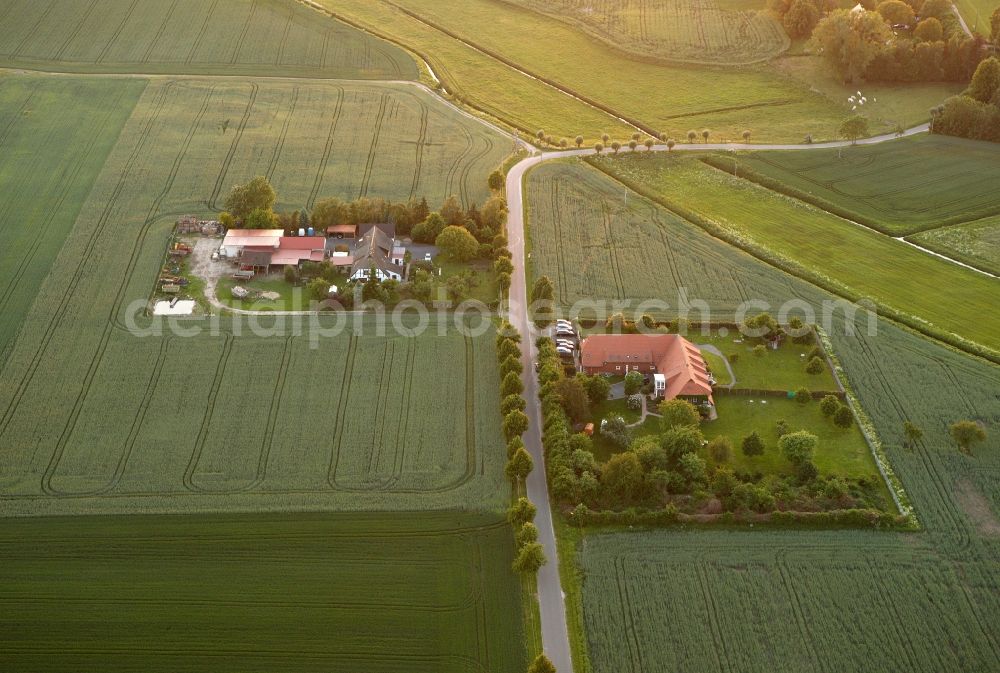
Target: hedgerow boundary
{"type": "Point", "coordinates": [913, 323]}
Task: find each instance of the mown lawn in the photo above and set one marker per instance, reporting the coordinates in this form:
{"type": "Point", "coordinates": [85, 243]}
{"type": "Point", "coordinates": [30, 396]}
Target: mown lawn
{"type": "Point", "coordinates": [781, 369]}
{"type": "Point", "coordinates": [290, 592]}
{"type": "Point", "coordinates": [841, 452]}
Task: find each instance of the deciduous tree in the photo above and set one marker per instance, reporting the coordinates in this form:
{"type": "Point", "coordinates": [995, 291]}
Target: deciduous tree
{"type": "Point", "coordinates": [530, 558]}
{"type": "Point", "coordinates": [678, 413]}
{"type": "Point", "coordinates": [520, 464]}
{"type": "Point", "coordinates": [798, 447]}
{"type": "Point", "coordinates": [457, 243]}
{"type": "Point", "coordinates": [849, 42]}
{"type": "Point", "coordinates": [254, 195]}
{"type": "Point", "coordinates": [967, 434]}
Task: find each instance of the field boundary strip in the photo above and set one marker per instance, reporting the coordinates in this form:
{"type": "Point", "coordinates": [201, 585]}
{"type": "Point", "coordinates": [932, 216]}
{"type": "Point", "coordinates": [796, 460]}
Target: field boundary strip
{"type": "Point", "coordinates": [776, 185]}
{"type": "Point", "coordinates": [766, 256]}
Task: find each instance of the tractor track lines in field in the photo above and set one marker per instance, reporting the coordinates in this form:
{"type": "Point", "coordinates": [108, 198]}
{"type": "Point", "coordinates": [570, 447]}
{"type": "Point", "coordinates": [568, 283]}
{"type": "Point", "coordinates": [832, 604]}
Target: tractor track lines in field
{"type": "Point", "coordinates": [98, 357]}
{"type": "Point", "coordinates": [342, 408]}
{"type": "Point", "coordinates": [67, 296]}
{"type": "Point", "coordinates": [383, 105]}
{"type": "Point", "coordinates": [327, 149]}
{"type": "Point", "coordinates": [277, 395]}
{"type": "Point", "coordinates": [228, 160]}
{"type": "Point", "coordinates": [118, 31]}
{"type": "Point", "coordinates": [421, 139]}
{"type": "Point", "coordinates": [897, 619]}
{"type": "Point", "coordinates": [403, 426]}
{"type": "Point", "coordinates": [201, 33]}
{"type": "Point", "coordinates": [280, 145]}
{"type": "Point", "coordinates": [241, 40]}
{"type": "Point", "coordinates": [159, 32]}
{"type": "Point", "coordinates": [720, 650]}
{"type": "Point", "coordinates": [616, 269]}
{"type": "Point", "coordinates": [799, 614]}
{"type": "Point", "coordinates": [76, 31]}
{"type": "Point", "coordinates": [34, 28]}
{"type": "Point", "coordinates": [463, 184]}
{"type": "Point", "coordinates": [449, 183]}
{"type": "Point", "coordinates": [632, 644]}
{"type": "Point", "coordinates": [279, 57]}
{"type": "Point", "coordinates": [554, 212]}
{"type": "Point", "coordinates": [18, 115]}
{"type": "Point", "coordinates": [206, 419]}
{"type": "Point", "coordinates": [668, 250]}
{"type": "Point", "coordinates": [378, 413]}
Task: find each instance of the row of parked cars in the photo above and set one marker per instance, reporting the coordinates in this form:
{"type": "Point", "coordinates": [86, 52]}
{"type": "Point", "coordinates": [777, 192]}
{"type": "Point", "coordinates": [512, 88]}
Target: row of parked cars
{"type": "Point", "coordinates": [566, 339]}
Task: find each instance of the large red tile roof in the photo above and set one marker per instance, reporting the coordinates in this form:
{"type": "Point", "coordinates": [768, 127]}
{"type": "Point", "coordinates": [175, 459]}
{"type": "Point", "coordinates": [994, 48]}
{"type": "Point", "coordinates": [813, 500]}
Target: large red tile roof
{"type": "Point", "coordinates": [675, 357]}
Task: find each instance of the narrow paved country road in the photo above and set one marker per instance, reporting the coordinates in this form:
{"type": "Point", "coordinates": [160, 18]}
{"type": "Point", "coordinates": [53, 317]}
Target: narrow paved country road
{"type": "Point", "coordinates": [555, 633]}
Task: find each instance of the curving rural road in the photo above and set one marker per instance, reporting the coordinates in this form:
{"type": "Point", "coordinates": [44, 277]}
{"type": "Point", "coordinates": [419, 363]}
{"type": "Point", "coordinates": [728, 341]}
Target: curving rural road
{"type": "Point", "coordinates": [555, 633]}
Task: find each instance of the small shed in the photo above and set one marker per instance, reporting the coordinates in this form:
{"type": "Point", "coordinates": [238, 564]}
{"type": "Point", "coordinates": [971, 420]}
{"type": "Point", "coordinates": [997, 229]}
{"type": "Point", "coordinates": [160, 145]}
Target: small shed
{"type": "Point", "coordinates": [256, 260]}
{"type": "Point", "coordinates": [342, 231]}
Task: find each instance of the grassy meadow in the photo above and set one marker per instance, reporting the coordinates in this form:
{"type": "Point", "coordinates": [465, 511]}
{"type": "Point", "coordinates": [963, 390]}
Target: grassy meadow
{"type": "Point", "coordinates": [48, 163]}
{"type": "Point", "coordinates": [888, 186]}
{"type": "Point", "coordinates": [975, 243]}
{"type": "Point", "coordinates": [471, 76]}
{"type": "Point", "coordinates": [376, 592]}
{"type": "Point", "coordinates": [224, 37]}
{"type": "Point", "coordinates": [668, 99]}
{"type": "Point", "coordinates": [696, 31]}
{"type": "Point", "coordinates": [935, 295]}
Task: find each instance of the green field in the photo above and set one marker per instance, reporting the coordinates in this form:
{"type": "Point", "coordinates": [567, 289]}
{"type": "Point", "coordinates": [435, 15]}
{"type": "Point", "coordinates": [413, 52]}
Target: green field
{"type": "Point", "coordinates": [668, 99]}
{"type": "Point", "coordinates": [977, 13]}
{"type": "Point", "coordinates": [226, 37]}
{"type": "Point", "coordinates": [48, 162]}
{"type": "Point", "coordinates": [975, 243]}
{"type": "Point", "coordinates": [785, 601]}
{"type": "Point", "coordinates": [94, 419]}
{"type": "Point", "coordinates": [889, 186]}
{"type": "Point", "coordinates": [393, 593]}
{"type": "Point", "coordinates": [931, 294]}
{"type": "Point", "coordinates": [694, 31]}
{"type": "Point", "coordinates": [796, 600]}
{"type": "Point", "coordinates": [470, 76]}
{"type": "Point", "coordinates": [594, 247]}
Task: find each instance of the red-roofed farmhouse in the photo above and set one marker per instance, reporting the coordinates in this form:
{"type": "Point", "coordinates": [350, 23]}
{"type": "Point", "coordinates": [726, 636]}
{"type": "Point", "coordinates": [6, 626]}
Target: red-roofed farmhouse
{"type": "Point", "coordinates": [674, 363]}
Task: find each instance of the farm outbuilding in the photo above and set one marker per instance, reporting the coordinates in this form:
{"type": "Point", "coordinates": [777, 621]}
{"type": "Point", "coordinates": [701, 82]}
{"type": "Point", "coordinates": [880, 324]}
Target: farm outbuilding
{"type": "Point", "coordinates": [238, 239]}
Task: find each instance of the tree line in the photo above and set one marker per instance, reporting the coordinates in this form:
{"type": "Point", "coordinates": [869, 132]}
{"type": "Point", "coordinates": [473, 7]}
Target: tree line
{"type": "Point", "coordinates": [886, 42]}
